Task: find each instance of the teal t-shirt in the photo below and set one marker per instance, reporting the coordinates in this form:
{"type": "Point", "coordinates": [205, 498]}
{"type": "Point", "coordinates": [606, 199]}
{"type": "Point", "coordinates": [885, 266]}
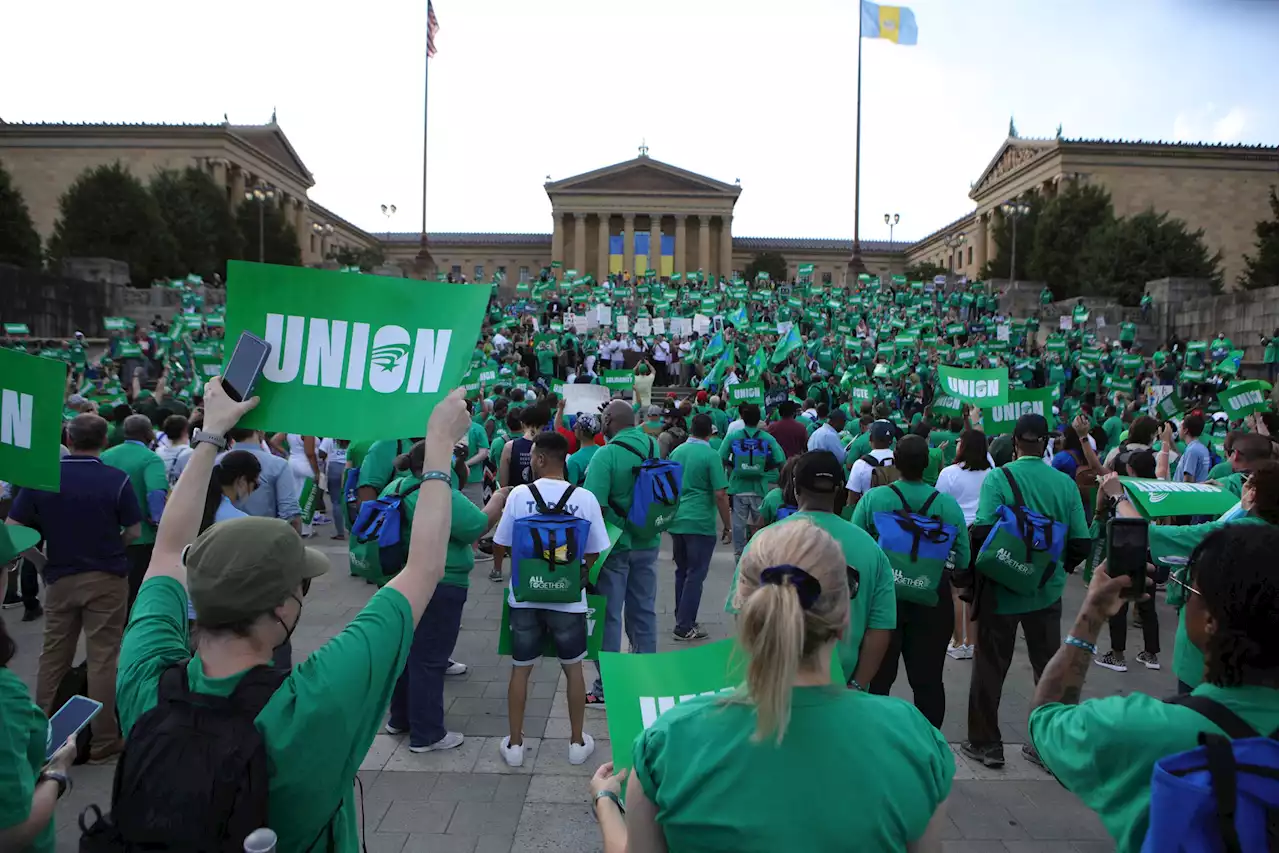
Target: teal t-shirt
{"type": "Point", "coordinates": [702, 478]}
{"type": "Point", "coordinates": [24, 733]}
{"type": "Point", "coordinates": [477, 440]}
{"type": "Point", "coordinates": [741, 483]}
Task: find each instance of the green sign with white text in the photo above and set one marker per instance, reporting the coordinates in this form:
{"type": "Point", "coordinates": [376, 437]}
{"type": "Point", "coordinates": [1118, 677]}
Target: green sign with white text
{"type": "Point", "coordinates": [985, 387]}
{"type": "Point", "coordinates": [1245, 398]}
{"type": "Point", "coordinates": [1161, 498]}
{"type": "Point", "coordinates": [31, 391]}
{"type": "Point", "coordinates": [1001, 419]}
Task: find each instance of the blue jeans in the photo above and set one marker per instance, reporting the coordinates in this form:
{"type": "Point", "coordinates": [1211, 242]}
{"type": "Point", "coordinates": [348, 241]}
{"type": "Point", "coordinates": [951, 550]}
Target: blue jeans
{"type": "Point", "coordinates": [629, 578]}
{"type": "Point", "coordinates": [417, 704]}
{"type": "Point", "coordinates": [692, 553]}
{"type": "Point", "coordinates": [336, 473]}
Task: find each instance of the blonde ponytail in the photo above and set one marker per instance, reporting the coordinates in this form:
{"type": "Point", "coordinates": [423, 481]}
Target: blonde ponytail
{"type": "Point", "coordinates": [771, 632]}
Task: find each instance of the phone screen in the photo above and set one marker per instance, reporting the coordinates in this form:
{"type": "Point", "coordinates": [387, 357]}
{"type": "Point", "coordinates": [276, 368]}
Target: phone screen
{"type": "Point", "coordinates": [1127, 552]}
{"type": "Point", "coordinates": [70, 719]}
{"type": "Point", "coordinates": [245, 366]}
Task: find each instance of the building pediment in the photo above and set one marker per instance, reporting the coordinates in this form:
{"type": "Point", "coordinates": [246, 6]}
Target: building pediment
{"type": "Point", "coordinates": [1012, 156]}
{"type": "Point", "coordinates": [642, 176]}
{"type": "Point", "coordinates": [271, 141]}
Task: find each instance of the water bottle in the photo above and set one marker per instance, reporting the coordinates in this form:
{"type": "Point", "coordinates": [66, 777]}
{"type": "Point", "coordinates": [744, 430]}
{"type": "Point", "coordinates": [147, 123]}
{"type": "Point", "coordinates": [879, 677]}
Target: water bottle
{"type": "Point", "coordinates": [260, 841]}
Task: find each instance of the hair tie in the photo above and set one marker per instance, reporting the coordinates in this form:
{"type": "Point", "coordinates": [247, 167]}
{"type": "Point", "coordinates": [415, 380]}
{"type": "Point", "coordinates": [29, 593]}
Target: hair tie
{"type": "Point", "coordinates": [807, 587]}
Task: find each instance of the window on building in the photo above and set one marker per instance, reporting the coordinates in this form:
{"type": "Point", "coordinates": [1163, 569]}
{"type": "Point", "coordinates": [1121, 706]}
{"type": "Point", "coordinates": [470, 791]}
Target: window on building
{"type": "Point", "coordinates": [970, 254]}
{"type": "Point", "coordinates": [502, 273]}
{"type": "Point", "coordinates": [479, 272]}
{"type": "Point", "coordinates": [826, 278]}
{"type": "Point", "coordinates": [456, 269]}
{"type": "Point", "coordinates": [524, 274]}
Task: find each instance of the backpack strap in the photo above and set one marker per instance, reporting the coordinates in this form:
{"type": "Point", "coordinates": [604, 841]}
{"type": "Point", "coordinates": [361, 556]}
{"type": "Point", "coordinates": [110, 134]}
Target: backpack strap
{"type": "Point", "coordinates": [538, 502]}
{"type": "Point", "coordinates": [410, 490]}
{"type": "Point", "coordinates": [1013, 486]}
{"type": "Point", "coordinates": [1221, 761]}
{"type": "Point", "coordinates": [903, 498]}
{"type": "Point", "coordinates": [173, 682]}
{"type": "Point", "coordinates": [924, 510]}
{"type": "Point", "coordinates": [562, 505]}
{"type": "Point", "coordinates": [1217, 713]}
{"type": "Point", "coordinates": [256, 688]}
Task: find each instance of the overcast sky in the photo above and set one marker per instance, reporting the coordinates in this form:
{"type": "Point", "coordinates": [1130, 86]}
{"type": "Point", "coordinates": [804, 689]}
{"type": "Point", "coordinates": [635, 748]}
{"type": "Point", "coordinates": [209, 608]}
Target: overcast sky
{"type": "Point", "coordinates": [749, 89]}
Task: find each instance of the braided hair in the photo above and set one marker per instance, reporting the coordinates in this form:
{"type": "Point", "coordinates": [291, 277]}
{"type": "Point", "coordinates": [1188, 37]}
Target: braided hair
{"type": "Point", "coordinates": [1234, 570]}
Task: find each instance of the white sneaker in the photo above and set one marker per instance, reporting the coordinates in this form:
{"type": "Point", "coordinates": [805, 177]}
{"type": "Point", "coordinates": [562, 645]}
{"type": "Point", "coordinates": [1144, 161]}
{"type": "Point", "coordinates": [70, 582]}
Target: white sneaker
{"type": "Point", "coordinates": [513, 755]}
{"type": "Point", "coordinates": [968, 652]}
{"type": "Point", "coordinates": [392, 730]}
{"type": "Point", "coordinates": [580, 752]}
{"type": "Point", "coordinates": [955, 652]}
{"type": "Point", "coordinates": [455, 668]}
{"type": "Point", "coordinates": [451, 740]}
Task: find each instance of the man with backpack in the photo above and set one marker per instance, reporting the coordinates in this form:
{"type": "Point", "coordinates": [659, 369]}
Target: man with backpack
{"type": "Point", "coordinates": [880, 455]}
{"type": "Point", "coordinates": [547, 595]}
{"type": "Point", "coordinates": [1218, 741]}
{"type": "Point", "coordinates": [922, 532]}
{"type": "Point", "coordinates": [753, 458]}
{"type": "Point", "coordinates": [617, 475]}
{"type": "Point", "coordinates": [1027, 502]}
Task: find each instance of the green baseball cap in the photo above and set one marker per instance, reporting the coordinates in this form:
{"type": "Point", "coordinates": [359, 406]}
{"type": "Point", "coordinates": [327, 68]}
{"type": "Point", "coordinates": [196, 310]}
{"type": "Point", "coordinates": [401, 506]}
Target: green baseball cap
{"type": "Point", "coordinates": [14, 539]}
{"type": "Point", "coordinates": [241, 568]}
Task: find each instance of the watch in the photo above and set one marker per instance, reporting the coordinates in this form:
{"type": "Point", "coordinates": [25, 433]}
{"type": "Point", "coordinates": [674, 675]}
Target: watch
{"type": "Point", "coordinates": [64, 781]}
{"type": "Point", "coordinates": [202, 437]}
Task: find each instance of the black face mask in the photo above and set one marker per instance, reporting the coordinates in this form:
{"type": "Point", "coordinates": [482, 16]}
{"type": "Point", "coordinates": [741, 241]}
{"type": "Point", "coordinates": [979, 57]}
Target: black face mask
{"type": "Point", "coordinates": [288, 631]}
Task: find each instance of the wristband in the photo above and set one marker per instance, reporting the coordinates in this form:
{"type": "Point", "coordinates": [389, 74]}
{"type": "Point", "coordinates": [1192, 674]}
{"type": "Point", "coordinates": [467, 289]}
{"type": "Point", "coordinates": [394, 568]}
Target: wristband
{"type": "Point", "coordinates": [608, 795]}
{"type": "Point", "coordinates": [428, 476]}
{"type": "Point", "coordinates": [1080, 644]}
{"type": "Point", "coordinates": [853, 684]}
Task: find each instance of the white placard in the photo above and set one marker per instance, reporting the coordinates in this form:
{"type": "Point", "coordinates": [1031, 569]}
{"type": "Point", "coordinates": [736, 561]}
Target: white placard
{"type": "Point", "coordinates": [643, 327]}
{"type": "Point", "coordinates": [1064, 323]}
{"type": "Point", "coordinates": [1155, 394]}
{"type": "Point", "coordinates": [624, 325]}
{"type": "Point", "coordinates": [569, 319]}
{"type": "Point", "coordinates": [1102, 321]}
{"type": "Point", "coordinates": [784, 327]}
{"type": "Point", "coordinates": [1002, 332]}
{"type": "Point", "coordinates": [604, 315]}
{"type": "Point", "coordinates": [701, 323]}
{"type": "Point", "coordinates": [659, 326]}
{"type": "Point", "coordinates": [681, 326]}
{"type": "Point", "coordinates": [584, 398]}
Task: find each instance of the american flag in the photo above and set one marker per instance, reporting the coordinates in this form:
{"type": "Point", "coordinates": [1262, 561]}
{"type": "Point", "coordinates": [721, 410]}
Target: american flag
{"type": "Point", "coordinates": [433, 26]}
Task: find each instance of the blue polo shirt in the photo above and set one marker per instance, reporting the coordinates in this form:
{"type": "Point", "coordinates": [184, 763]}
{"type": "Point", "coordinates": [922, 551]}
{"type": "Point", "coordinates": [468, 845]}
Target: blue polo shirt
{"type": "Point", "coordinates": [81, 523]}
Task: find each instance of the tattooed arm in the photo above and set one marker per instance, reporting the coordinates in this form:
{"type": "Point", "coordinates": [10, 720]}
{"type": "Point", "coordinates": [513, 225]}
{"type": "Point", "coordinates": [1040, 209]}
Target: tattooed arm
{"type": "Point", "coordinates": [1063, 678]}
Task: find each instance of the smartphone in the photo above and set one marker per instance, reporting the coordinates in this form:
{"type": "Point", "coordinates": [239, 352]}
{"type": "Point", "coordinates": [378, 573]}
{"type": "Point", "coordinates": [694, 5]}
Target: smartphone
{"type": "Point", "coordinates": [246, 364]}
{"type": "Point", "coordinates": [1127, 553]}
{"type": "Point", "coordinates": [70, 719]}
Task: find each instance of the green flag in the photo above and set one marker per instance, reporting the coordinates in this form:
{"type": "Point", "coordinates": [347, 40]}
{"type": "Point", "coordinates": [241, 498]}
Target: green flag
{"type": "Point", "coordinates": [860, 393]}
{"type": "Point", "coordinates": [999, 420]}
{"type": "Point", "coordinates": [30, 419]}
{"type": "Point", "coordinates": [738, 317]}
{"type": "Point", "coordinates": [1160, 498]}
{"type": "Point", "coordinates": [759, 363]}
{"type": "Point", "coordinates": [1245, 398]}
{"type": "Point", "coordinates": [790, 343]}
{"type": "Point", "coordinates": [618, 380]}
{"type": "Point", "coordinates": [368, 360]}
{"type": "Point", "coordinates": [746, 392]}
{"type": "Point", "coordinates": [715, 346]}
{"type": "Point", "coordinates": [985, 387]}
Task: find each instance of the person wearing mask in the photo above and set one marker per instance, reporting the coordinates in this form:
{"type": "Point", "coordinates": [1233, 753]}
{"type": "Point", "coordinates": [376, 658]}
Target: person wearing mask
{"type": "Point", "coordinates": [703, 495]}
{"type": "Point", "coordinates": [532, 624]}
{"type": "Point", "coordinates": [827, 436]}
{"type": "Point", "coordinates": [175, 447]}
{"type": "Point", "coordinates": [333, 465]}
{"type": "Point", "coordinates": [1230, 618]}
{"type": "Point", "coordinates": [234, 478]}
{"type": "Point", "coordinates": [247, 579]}
{"type": "Point", "coordinates": [922, 631]}
{"type": "Point", "coordinates": [999, 611]}
{"type": "Point", "coordinates": [146, 472]}
{"type": "Point", "coordinates": [87, 525]}
{"type": "Point", "coordinates": [789, 721]}
{"type": "Point", "coordinates": [750, 475]}
{"type": "Point", "coordinates": [586, 427]}
{"type": "Point", "coordinates": [963, 481]}
{"type": "Point", "coordinates": [1194, 464]}
{"type": "Point", "coordinates": [879, 456]}
{"type": "Point", "coordinates": [417, 704]}
{"type": "Point", "coordinates": [277, 492]}
{"type": "Point", "coordinates": [30, 786]}
{"type": "Point", "coordinates": [630, 573]}
{"type": "Point", "coordinates": [789, 433]}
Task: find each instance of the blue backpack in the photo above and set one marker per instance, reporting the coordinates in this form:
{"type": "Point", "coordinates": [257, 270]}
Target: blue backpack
{"type": "Point", "coordinates": [1220, 796]}
{"type": "Point", "coordinates": [547, 550]}
{"type": "Point", "coordinates": [380, 526]}
{"type": "Point", "coordinates": [751, 455]}
{"type": "Point", "coordinates": [918, 546]}
{"type": "Point", "coordinates": [351, 487]}
{"type": "Point", "coordinates": [1024, 547]}
{"type": "Point", "coordinates": [656, 493]}
{"type": "Point", "coordinates": [786, 511]}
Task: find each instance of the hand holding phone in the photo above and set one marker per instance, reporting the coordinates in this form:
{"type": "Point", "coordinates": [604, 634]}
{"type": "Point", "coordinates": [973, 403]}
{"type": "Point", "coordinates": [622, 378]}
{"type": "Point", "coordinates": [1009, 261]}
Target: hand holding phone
{"type": "Point", "coordinates": [1127, 553]}
{"type": "Point", "coordinates": [67, 723]}
{"type": "Point", "coordinates": [245, 366]}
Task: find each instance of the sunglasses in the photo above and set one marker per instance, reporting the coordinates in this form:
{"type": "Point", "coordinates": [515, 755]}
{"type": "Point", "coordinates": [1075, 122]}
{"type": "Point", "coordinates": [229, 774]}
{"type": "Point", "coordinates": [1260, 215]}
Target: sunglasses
{"type": "Point", "coordinates": [1173, 578]}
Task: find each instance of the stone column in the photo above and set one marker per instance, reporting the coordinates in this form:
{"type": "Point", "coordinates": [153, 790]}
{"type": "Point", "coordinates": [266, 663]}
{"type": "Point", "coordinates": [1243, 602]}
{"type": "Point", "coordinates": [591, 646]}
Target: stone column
{"type": "Point", "coordinates": [629, 243]}
{"type": "Point", "coordinates": [678, 262]}
{"type": "Point", "coordinates": [980, 244]}
{"type": "Point", "coordinates": [602, 247]}
{"type": "Point", "coordinates": [704, 244]}
{"type": "Point", "coordinates": [302, 226]}
{"type": "Point", "coordinates": [726, 246]}
{"type": "Point", "coordinates": [557, 236]}
{"type": "Point", "coordinates": [219, 169]}
{"type": "Point", "coordinates": [655, 242]}
{"type": "Point", "coordinates": [237, 188]}
{"type": "Point", "coordinates": [994, 221]}
{"type": "Point", "coordinates": [580, 243]}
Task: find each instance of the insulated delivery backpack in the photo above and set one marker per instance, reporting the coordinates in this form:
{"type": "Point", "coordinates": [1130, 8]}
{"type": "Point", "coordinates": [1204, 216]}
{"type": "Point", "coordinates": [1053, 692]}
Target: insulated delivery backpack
{"type": "Point", "coordinates": [1024, 547]}
{"type": "Point", "coordinates": [547, 550]}
{"type": "Point", "coordinates": [378, 533]}
{"type": "Point", "coordinates": [1220, 796]}
{"type": "Point", "coordinates": [351, 486]}
{"type": "Point", "coordinates": [919, 547]}
{"type": "Point", "coordinates": [656, 493]}
{"type": "Point", "coordinates": [751, 455]}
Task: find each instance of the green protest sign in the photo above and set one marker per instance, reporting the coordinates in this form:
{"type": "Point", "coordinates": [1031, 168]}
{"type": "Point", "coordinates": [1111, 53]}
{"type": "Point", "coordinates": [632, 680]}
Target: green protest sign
{"type": "Point", "coordinates": [955, 328]}
{"type": "Point", "coordinates": [595, 629]}
{"type": "Point", "coordinates": [617, 380]}
{"type": "Point", "coordinates": [1000, 420]}
{"type": "Point", "coordinates": [16, 329]}
{"type": "Point", "coordinates": [746, 392]}
{"type": "Point", "coordinates": [374, 362]}
{"type": "Point", "coordinates": [129, 351]}
{"type": "Point", "coordinates": [116, 324]}
{"type": "Point", "coordinates": [948, 405]}
{"type": "Point", "coordinates": [30, 419]}
{"type": "Point", "coordinates": [307, 500]}
{"type": "Point", "coordinates": [966, 355]}
{"type": "Point", "coordinates": [985, 387]}
{"type": "Point", "coordinates": [859, 393]}
{"type": "Point", "coordinates": [1245, 398]}
{"type": "Point", "coordinates": [1169, 405]}
{"type": "Point", "coordinates": [1160, 498]}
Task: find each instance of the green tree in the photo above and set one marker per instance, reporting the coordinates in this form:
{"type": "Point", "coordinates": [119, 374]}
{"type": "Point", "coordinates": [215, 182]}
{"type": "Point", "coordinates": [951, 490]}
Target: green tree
{"type": "Point", "coordinates": [924, 271]}
{"type": "Point", "coordinates": [108, 213]}
{"type": "Point", "coordinates": [19, 242]}
{"type": "Point", "coordinates": [1259, 271]}
{"type": "Point", "coordinates": [1120, 257]}
{"type": "Point", "coordinates": [279, 239]}
{"type": "Point", "coordinates": [1062, 227]}
{"type": "Point", "coordinates": [998, 265]}
{"type": "Point", "coordinates": [205, 232]}
{"type": "Point", "coordinates": [771, 262]}
{"type": "Point", "coordinates": [366, 259]}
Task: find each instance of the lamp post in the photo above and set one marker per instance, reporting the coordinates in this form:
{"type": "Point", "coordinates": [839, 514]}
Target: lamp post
{"type": "Point", "coordinates": [891, 220]}
{"type": "Point", "coordinates": [388, 210]}
{"type": "Point", "coordinates": [324, 232]}
{"type": "Point", "coordinates": [262, 193]}
{"type": "Point", "coordinates": [1013, 210]}
{"type": "Point", "coordinates": [955, 241]}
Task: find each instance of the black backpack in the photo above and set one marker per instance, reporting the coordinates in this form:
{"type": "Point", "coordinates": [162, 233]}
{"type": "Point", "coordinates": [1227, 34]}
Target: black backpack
{"type": "Point", "coordinates": [193, 775]}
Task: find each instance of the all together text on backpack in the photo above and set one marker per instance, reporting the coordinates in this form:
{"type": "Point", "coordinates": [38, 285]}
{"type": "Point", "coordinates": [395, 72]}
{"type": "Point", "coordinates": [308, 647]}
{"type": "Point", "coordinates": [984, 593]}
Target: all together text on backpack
{"type": "Point", "coordinates": [656, 493]}
{"type": "Point", "coordinates": [547, 550]}
{"type": "Point", "coordinates": [751, 455]}
{"type": "Point", "coordinates": [1024, 547]}
{"type": "Point", "coordinates": [918, 546]}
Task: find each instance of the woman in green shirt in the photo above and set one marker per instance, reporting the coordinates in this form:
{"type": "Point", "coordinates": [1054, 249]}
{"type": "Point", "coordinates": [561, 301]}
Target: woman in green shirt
{"type": "Point", "coordinates": [792, 747]}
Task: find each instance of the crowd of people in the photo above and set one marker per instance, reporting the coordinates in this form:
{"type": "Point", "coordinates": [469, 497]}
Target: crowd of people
{"type": "Point", "coordinates": [860, 499]}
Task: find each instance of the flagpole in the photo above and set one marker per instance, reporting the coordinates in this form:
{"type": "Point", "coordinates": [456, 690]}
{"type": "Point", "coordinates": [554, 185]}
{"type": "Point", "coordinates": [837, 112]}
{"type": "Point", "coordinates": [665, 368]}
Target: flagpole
{"type": "Point", "coordinates": [855, 261]}
{"type": "Point", "coordinates": [423, 259]}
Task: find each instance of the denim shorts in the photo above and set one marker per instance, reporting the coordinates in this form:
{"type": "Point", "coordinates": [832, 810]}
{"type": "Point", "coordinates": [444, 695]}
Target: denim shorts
{"type": "Point", "coordinates": [533, 629]}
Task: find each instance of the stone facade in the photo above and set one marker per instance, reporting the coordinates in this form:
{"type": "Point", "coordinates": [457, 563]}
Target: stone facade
{"type": "Point", "coordinates": [1186, 307]}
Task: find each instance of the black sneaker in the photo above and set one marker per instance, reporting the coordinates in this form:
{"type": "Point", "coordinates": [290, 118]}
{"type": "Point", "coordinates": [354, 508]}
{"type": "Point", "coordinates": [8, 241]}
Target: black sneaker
{"type": "Point", "coordinates": [32, 613]}
{"type": "Point", "coordinates": [694, 633]}
{"type": "Point", "coordinates": [594, 699]}
{"type": "Point", "coordinates": [11, 599]}
{"type": "Point", "coordinates": [495, 575]}
{"type": "Point", "coordinates": [991, 755]}
{"type": "Point", "coordinates": [1029, 753]}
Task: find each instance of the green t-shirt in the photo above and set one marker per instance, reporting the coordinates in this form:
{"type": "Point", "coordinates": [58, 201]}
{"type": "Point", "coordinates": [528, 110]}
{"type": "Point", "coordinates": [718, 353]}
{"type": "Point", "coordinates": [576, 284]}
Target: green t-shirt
{"type": "Point", "coordinates": [477, 440]}
{"type": "Point", "coordinates": [944, 507]}
{"type": "Point", "coordinates": [467, 524]}
{"type": "Point", "coordinates": [336, 698]}
{"type": "Point", "coordinates": [702, 478]}
{"type": "Point", "coordinates": [611, 479]}
{"type": "Point", "coordinates": [1128, 332]}
{"type": "Point", "coordinates": [1113, 426]}
{"type": "Point", "coordinates": [24, 731]}
{"type": "Point", "coordinates": [1046, 491]}
{"type": "Point", "coordinates": [740, 484]}
{"type": "Point", "coordinates": [378, 467]}
{"type": "Point", "coordinates": [146, 474]}
{"type": "Point", "coordinates": [356, 452]}
{"type": "Point", "coordinates": [1092, 750]}
{"type": "Point", "coordinates": [1220, 471]}
{"type": "Point", "coordinates": [769, 506]}
{"type": "Point", "coordinates": [913, 772]}
{"type": "Point", "coordinates": [1269, 353]}
{"type": "Point", "coordinates": [575, 467]}
{"type": "Point", "coordinates": [860, 447]}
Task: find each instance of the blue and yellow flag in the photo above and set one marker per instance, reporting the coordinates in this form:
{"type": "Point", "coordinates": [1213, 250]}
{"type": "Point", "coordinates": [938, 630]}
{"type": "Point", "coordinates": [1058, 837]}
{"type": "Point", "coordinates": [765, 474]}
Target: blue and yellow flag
{"type": "Point", "coordinates": [895, 23]}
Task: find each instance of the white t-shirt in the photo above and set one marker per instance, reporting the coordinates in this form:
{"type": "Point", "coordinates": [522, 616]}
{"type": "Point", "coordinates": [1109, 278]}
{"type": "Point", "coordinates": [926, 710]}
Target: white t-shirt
{"type": "Point", "coordinates": [860, 474]}
{"type": "Point", "coordinates": [175, 460]}
{"type": "Point", "coordinates": [582, 503]}
{"type": "Point", "coordinates": [662, 351]}
{"type": "Point", "coordinates": [332, 452]}
{"type": "Point", "coordinates": [964, 485]}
